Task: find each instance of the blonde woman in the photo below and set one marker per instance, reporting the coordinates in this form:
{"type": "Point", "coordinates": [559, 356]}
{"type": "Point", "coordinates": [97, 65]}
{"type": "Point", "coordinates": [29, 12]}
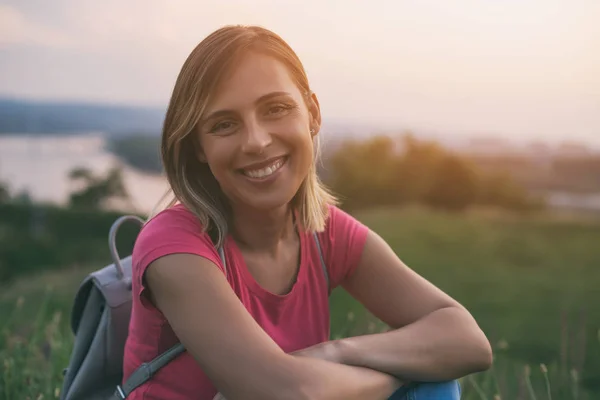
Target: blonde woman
{"type": "Point", "coordinates": [239, 266]}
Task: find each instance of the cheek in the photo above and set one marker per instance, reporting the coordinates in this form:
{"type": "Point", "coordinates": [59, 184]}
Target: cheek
{"type": "Point", "coordinates": [218, 157]}
{"type": "Point", "coordinates": [305, 143]}
{"type": "Point", "coordinates": [304, 153]}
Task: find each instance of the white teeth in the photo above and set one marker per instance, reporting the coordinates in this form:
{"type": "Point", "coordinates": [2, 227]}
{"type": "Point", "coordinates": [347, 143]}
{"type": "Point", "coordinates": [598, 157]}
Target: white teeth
{"type": "Point", "coordinates": [261, 173]}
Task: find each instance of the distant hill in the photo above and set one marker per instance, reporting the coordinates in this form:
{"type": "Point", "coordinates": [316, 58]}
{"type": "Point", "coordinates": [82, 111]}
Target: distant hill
{"type": "Point", "coordinates": [38, 117]}
{"type": "Point", "coordinates": [56, 117]}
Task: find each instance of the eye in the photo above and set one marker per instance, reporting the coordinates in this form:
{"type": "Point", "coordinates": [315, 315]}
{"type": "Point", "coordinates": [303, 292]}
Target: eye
{"type": "Point", "coordinates": [278, 109]}
{"type": "Point", "coordinates": [222, 126]}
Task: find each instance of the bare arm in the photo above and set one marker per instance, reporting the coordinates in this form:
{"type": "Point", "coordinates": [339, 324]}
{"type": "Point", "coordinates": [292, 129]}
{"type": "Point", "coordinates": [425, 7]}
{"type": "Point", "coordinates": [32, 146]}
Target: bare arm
{"type": "Point", "coordinates": [434, 338]}
{"type": "Point", "coordinates": [241, 360]}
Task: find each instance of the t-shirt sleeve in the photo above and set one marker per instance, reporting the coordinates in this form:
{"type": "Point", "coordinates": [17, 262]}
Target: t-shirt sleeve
{"type": "Point", "coordinates": [344, 241]}
{"type": "Point", "coordinates": [172, 231]}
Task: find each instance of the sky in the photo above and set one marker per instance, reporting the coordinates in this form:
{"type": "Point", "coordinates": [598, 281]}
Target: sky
{"type": "Point", "coordinates": [523, 69]}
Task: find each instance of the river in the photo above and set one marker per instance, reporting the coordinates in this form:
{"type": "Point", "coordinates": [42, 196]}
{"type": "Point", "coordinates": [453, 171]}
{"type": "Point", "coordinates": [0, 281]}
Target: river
{"type": "Point", "coordinates": [40, 165]}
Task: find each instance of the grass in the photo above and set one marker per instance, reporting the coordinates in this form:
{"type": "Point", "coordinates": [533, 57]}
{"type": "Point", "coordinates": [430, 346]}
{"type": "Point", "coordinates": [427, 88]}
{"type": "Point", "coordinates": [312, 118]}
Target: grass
{"type": "Point", "coordinates": [530, 282]}
{"type": "Point", "coordinates": [35, 338]}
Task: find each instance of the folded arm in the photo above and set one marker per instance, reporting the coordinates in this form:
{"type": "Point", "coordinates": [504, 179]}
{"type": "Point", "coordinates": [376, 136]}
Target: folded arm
{"type": "Point", "coordinates": [433, 337]}
{"type": "Point", "coordinates": [246, 363]}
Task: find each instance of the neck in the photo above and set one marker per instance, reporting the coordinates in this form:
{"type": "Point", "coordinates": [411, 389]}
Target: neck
{"type": "Point", "coordinates": [262, 231]}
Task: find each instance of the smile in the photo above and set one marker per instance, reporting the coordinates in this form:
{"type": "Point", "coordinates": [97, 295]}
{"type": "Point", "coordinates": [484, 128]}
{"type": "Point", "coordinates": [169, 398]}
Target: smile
{"type": "Point", "coordinates": [265, 171]}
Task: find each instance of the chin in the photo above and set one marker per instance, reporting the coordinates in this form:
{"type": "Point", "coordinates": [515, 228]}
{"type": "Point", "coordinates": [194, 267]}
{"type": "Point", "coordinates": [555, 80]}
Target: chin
{"type": "Point", "coordinates": [269, 200]}
{"type": "Point", "coordinates": [266, 204]}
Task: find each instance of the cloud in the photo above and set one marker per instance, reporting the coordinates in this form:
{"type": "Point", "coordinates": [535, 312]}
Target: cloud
{"type": "Point", "coordinates": [16, 30]}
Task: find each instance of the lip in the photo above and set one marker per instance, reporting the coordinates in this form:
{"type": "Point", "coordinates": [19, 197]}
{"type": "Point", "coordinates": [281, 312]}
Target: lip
{"type": "Point", "coordinates": [262, 164]}
{"type": "Point", "coordinates": [270, 179]}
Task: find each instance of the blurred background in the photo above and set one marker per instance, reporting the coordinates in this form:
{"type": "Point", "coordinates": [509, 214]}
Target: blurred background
{"type": "Point", "coordinates": [466, 133]}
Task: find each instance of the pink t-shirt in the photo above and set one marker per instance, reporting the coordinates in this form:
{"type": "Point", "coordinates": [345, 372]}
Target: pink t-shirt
{"type": "Point", "coordinates": [294, 321]}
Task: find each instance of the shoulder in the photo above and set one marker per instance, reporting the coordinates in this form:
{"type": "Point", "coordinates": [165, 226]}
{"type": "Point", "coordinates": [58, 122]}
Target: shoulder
{"type": "Point", "coordinates": [176, 219]}
{"type": "Point", "coordinates": [176, 223]}
{"type": "Point", "coordinates": [342, 226]}
{"type": "Point", "coordinates": [173, 230]}
{"type": "Point", "coordinates": [342, 241]}
{"type": "Point", "coordinates": [337, 216]}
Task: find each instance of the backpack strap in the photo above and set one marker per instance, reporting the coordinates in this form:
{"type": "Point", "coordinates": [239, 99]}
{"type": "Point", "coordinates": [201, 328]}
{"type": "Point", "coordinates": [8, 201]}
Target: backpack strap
{"type": "Point", "coordinates": [323, 265]}
{"type": "Point", "coordinates": [223, 261]}
{"type": "Point", "coordinates": [146, 371]}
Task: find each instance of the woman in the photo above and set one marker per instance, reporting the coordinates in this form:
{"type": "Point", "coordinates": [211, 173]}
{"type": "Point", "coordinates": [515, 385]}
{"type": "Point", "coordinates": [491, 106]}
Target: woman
{"type": "Point", "coordinates": [237, 148]}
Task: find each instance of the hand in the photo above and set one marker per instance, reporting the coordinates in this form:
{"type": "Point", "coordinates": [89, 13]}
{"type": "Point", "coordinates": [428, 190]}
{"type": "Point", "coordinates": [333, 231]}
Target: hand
{"type": "Point", "coordinates": [329, 351]}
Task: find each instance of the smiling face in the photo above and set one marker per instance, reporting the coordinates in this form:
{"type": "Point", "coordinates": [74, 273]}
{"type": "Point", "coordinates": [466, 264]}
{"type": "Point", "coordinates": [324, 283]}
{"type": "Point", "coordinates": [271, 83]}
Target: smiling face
{"type": "Point", "coordinates": [255, 134]}
{"type": "Point", "coordinates": [237, 131]}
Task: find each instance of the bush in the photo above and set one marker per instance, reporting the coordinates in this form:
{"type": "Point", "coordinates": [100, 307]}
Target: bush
{"type": "Point", "coordinates": [33, 238]}
{"type": "Point", "coordinates": [139, 151]}
{"type": "Point", "coordinates": [454, 186]}
{"type": "Point", "coordinates": [500, 189]}
{"type": "Point", "coordinates": [382, 172]}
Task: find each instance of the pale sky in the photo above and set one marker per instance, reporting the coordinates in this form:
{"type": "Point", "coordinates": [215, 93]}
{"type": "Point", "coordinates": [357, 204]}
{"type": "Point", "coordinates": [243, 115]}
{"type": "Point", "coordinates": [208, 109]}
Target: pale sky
{"type": "Point", "coordinates": [524, 69]}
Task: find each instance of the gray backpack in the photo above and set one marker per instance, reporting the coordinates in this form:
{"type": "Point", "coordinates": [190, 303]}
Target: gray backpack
{"type": "Point", "coordinates": [100, 323]}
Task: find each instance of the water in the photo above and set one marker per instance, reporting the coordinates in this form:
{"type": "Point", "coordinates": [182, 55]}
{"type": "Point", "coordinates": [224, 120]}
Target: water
{"type": "Point", "coordinates": [40, 165]}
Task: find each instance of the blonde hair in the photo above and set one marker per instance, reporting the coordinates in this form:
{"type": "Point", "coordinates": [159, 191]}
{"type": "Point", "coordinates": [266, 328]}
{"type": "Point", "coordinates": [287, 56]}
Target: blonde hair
{"type": "Point", "coordinates": [191, 181]}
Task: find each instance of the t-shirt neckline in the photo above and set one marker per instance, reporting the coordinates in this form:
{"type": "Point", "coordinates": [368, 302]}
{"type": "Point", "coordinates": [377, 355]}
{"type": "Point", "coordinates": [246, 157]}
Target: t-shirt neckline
{"type": "Point", "coordinates": [250, 282]}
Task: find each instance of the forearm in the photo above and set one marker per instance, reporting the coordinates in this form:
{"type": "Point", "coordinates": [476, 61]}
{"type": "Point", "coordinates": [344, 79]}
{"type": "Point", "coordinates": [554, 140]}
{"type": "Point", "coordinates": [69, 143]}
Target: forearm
{"type": "Point", "coordinates": [296, 377]}
{"type": "Point", "coordinates": [325, 380]}
{"type": "Point", "coordinates": [444, 345]}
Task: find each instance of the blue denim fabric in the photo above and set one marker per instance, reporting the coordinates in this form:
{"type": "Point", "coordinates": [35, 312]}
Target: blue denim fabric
{"type": "Point", "coordinates": [429, 391]}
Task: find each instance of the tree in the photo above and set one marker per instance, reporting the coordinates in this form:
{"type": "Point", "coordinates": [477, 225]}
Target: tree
{"type": "Point", "coordinates": [454, 186]}
{"type": "Point", "coordinates": [139, 151]}
{"type": "Point", "coordinates": [499, 189]}
{"type": "Point", "coordinates": [95, 190]}
{"type": "Point", "coordinates": [381, 171]}
{"type": "Point", "coordinates": [416, 168]}
{"type": "Point", "coordinates": [4, 194]}
{"type": "Point", "coordinates": [362, 173]}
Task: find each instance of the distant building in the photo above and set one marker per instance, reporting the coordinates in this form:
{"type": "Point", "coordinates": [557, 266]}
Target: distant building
{"type": "Point", "coordinates": [573, 149]}
{"type": "Point", "coordinates": [490, 146]}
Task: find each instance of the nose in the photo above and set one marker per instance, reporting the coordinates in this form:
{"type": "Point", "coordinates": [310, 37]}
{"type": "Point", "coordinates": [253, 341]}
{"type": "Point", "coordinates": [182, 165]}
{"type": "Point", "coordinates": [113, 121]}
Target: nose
{"type": "Point", "coordinates": [256, 138]}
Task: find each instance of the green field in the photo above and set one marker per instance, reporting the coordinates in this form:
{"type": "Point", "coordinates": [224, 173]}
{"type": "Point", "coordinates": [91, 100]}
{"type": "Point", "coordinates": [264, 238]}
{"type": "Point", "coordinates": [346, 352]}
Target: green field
{"type": "Point", "coordinates": [531, 282]}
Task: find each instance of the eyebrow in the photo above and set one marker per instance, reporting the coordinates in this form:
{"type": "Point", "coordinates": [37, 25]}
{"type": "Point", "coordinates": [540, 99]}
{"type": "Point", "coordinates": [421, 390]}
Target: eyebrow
{"type": "Point", "coordinates": [259, 100]}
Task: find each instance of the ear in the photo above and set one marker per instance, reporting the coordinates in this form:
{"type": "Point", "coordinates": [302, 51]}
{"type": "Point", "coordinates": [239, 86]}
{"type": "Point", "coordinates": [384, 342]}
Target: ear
{"type": "Point", "coordinates": [314, 111]}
